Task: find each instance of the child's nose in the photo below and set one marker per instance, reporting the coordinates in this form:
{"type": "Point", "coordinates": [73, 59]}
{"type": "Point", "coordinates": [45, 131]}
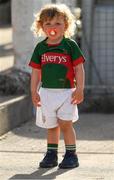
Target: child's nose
{"type": "Point", "coordinates": [52, 29]}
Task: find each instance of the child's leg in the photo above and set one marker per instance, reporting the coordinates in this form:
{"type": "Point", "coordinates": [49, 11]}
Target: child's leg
{"type": "Point", "coordinates": [53, 135]}
{"type": "Point", "coordinates": [51, 159]}
{"type": "Point", "coordinates": [70, 159]}
{"type": "Point", "coordinates": [68, 132]}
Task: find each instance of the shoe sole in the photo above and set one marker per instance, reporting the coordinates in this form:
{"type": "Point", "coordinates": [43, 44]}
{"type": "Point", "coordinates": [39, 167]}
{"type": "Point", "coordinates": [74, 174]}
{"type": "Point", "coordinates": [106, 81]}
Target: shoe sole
{"type": "Point", "coordinates": [69, 167]}
{"type": "Point", "coordinates": [49, 166]}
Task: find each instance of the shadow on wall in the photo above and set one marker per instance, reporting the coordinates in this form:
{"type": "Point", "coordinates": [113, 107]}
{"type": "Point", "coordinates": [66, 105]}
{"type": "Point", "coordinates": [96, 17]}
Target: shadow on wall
{"type": "Point", "coordinates": [5, 12]}
{"type": "Point", "coordinates": [6, 50]}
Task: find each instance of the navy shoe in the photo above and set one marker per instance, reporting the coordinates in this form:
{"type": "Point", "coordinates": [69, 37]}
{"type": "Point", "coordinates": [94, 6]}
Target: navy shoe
{"type": "Point", "coordinates": [70, 160]}
{"type": "Point", "coordinates": [50, 160]}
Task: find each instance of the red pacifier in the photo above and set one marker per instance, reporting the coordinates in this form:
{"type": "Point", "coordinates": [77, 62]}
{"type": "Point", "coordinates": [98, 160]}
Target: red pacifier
{"type": "Point", "coordinates": [52, 32]}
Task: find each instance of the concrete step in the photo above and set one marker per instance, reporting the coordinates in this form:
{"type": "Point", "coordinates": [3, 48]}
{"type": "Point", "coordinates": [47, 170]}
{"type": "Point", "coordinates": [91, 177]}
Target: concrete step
{"type": "Point", "coordinates": [14, 110]}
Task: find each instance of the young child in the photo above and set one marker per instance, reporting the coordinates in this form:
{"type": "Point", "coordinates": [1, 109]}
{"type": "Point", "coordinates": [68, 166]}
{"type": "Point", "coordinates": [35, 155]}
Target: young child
{"type": "Point", "coordinates": [57, 64]}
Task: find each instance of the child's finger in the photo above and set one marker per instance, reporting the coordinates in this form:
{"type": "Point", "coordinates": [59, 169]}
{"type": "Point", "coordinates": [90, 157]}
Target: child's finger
{"type": "Point", "coordinates": [39, 104]}
{"type": "Point", "coordinates": [74, 101]}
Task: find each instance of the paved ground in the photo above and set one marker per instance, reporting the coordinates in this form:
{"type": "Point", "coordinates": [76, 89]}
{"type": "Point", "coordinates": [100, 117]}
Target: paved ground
{"type": "Point", "coordinates": [22, 149]}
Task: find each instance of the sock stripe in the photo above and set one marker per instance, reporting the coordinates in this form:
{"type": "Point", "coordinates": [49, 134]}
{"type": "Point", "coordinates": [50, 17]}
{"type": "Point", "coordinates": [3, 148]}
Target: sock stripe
{"type": "Point", "coordinates": [52, 147]}
{"type": "Point", "coordinates": [71, 147]}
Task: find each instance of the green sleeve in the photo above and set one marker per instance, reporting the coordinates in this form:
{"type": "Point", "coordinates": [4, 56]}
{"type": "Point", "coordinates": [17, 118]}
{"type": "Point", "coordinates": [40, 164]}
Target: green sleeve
{"type": "Point", "coordinates": [77, 55]}
{"type": "Point", "coordinates": [35, 61]}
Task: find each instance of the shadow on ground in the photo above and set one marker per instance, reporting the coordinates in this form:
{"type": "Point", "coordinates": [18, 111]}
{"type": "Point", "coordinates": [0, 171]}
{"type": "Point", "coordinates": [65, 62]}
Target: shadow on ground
{"type": "Point", "coordinates": [41, 174]}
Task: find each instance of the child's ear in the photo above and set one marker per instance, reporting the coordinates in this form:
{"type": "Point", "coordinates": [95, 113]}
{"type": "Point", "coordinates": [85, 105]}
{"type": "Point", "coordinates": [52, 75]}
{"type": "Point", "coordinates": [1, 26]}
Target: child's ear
{"type": "Point", "coordinates": [66, 26]}
{"type": "Point", "coordinates": [40, 25]}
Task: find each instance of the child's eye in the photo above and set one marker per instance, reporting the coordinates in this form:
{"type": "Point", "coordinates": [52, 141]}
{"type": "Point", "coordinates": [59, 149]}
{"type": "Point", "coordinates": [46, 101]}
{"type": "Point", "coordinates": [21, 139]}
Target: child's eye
{"type": "Point", "coordinates": [58, 23]}
{"type": "Point", "coordinates": [47, 24]}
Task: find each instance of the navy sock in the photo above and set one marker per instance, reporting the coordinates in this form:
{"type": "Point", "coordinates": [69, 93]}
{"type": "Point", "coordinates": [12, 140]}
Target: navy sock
{"type": "Point", "coordinates": [52, 147]}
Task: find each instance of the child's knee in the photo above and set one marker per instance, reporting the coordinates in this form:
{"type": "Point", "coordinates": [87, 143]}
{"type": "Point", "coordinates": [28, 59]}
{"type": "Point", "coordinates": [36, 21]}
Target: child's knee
{"type": "Point", "coordinates": [64, 125]}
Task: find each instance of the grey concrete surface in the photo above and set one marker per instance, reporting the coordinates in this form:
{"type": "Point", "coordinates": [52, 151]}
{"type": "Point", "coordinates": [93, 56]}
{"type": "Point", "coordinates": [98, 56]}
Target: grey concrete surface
{"type": "Point", "coordinates": [14, 110]}
{"type": "Point", "coordinates": [23, 148]}
{"type": "Point", "coordinates": [6, 48]}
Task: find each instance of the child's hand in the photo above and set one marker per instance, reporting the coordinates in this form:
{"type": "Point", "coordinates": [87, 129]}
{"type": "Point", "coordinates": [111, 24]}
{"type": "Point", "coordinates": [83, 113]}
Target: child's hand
{"type": "Point", "coordinates": [36, 99]}
{"type": "Point", "coordinates": [77, 96]}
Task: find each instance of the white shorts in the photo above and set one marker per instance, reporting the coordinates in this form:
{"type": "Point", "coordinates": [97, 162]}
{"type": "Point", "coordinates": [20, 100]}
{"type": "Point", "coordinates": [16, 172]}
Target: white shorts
{"type": "Point", "coordinates": [55, 103]}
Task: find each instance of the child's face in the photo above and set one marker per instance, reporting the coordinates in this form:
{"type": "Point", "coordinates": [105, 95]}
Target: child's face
{"type": "Point", "coordinates": [55, 28]}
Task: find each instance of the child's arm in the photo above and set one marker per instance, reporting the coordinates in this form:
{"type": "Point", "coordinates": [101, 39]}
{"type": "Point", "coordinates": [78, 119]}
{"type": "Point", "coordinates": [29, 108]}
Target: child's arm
{"type": "Point", "coordinates": [78, 94]}
{"type": "Point", "coordinates": [35, 85]}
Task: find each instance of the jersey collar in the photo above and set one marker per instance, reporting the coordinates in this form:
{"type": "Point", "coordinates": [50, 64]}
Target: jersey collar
{"type": "Point", "coordinates": [53, 45]}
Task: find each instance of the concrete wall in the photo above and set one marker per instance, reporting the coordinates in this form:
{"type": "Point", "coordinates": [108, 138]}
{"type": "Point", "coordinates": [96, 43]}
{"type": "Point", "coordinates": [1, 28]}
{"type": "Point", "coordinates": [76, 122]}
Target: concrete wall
{"type": "Point", "coordinates": [23, 39]}
{"type": "Point", "coordinates": [98, 42]}
{"type": "Point", "coordinates": [71, 3]}
{"type": "Point", "coordinates": [103, 44]}
{"type": "Point", "coordinates": [87, 17]}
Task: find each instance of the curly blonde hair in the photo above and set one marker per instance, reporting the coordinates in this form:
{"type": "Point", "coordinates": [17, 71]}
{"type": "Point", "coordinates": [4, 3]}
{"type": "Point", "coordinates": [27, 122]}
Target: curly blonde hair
{"type": "Point", "coordinates": [50, 11]}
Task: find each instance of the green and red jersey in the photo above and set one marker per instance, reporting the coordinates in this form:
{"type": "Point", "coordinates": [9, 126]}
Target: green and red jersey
{"type": "Point", "coordinates": [57, 63]}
